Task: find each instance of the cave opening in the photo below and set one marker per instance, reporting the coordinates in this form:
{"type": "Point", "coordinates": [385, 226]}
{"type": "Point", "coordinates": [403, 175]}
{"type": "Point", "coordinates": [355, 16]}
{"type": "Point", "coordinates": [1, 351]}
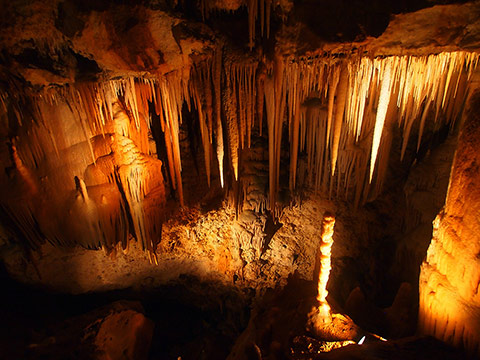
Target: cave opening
{"type": "Point", "coordinates": [241, 179]}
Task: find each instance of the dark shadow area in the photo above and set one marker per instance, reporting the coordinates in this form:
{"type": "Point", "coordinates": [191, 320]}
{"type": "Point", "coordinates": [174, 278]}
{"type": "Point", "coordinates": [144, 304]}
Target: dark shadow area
{"type": "Point", "coordinates": [193, 320]}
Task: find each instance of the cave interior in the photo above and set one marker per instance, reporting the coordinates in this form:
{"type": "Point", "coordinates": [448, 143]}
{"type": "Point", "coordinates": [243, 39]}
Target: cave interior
{"type": "Point", "coordinates": [240, 179]}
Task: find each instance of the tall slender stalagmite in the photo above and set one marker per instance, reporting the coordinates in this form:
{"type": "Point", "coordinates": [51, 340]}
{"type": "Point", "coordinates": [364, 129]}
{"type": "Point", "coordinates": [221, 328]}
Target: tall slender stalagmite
{"type": "Point", "coordinates": [326, 243]}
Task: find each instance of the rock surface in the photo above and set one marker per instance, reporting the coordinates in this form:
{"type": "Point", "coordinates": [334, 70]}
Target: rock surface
{"type": "Point", "coordinates": [449, 279]}
{"type": "Point", "coordinates": [407, 348]}
{"type": "Point", "coordinates": [118, 331]}
{"type": "Point", "coordinates": [210, 245]}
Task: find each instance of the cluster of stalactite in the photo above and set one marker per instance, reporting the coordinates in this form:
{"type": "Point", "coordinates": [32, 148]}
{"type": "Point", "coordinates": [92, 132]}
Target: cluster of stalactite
{"type": "Point", "coordinates": [342, 114]}
{"type": "Point", "coordinates": [90, 142]}
{"type": "Point", "coordinates": [258, 10]}
{"type": "Point", "coordinates": [82, 169]}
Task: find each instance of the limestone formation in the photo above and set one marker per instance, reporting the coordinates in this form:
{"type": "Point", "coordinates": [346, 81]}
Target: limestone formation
{"type": "Point", "coordinates": [142, 142]}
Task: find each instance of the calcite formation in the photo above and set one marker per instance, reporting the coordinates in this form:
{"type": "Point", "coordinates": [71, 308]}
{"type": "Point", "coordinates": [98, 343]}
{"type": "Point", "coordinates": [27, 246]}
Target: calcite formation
{"type": "Point", "coordinates": [325, 263]}
{"type": "Point", "coordinates": [103, 105]}
{"type": "Point", "coordinates": [449, 278]}
{"type": "Point", "coordinates": [111, 121]}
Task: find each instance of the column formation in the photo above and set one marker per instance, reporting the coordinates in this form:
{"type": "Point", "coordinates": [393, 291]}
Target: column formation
{"type": "Point", "coordinates": [328, 224]}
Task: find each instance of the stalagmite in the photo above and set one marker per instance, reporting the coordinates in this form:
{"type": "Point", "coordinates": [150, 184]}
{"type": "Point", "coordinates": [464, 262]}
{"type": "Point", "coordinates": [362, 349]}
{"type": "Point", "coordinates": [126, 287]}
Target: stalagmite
{"type": "Point", "coordinates": [328, 224]}
{"type": "Point", "coordinates": [321, 321]}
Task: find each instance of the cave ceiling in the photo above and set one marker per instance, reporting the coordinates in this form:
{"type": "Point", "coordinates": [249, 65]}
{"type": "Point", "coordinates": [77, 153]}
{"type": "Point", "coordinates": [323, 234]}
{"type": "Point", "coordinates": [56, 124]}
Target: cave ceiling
{"type": "Point", "coordinates": [60, 42]}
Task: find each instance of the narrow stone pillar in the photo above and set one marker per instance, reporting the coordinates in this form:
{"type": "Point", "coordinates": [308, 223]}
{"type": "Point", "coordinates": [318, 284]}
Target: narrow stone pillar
{"type": "Point", "coordinates": [325, 263]}
{"type": "Point", "coordinates": [322, 322]}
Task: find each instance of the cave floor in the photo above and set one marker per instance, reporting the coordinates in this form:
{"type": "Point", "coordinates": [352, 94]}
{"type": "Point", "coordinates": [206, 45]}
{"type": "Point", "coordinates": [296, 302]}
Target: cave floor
{"type": "Point", "coordinates": [192, 320]}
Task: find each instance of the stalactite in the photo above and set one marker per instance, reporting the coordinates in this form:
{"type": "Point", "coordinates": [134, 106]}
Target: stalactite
{"type": "Point", "coordinates": [260, 94]}
{"type": "Point", "coordinates": [97, 218]}
{"type": "Point", "coordinates": [383, 102]}
{"type": "Point", "coordinates": [251, 100]}
{"type": "Point", "coordinates": [230, 110]}
{"type": "Point", "coordinates": [172, 100]}
{"type": "Point", "coordinates": [332, 89]}
{"type": "Point", "coordinates": [268, 5]}
{"type": "Point", "coordinates": [239, 94]}
{"type": "Point", "coordinates": [386, 141]}
{"type": "Point", "coordinates": [252, 17]}
{"type": "Point", "coordinates": [339, 110]}
{"type": "Point", "coordinates": [336, 111]}
{"type": "Point", "coordinates": [270, 113]}
{"type": "Point", "coordinates": [422, 83]}
{"type": "Point", "coordinates": [253, 9]}
{"type": "Point", "coordinates": [216, 74]}
{"type": "Point", "coordinates": [295, 128]}
{"type": "Point", "coordinates": [275, 97]}
{"type": "Point", "coordinates": [265, 11]}
{"type": "Point", "coordinates": [201, 92]}
{"type": "Point", "coordinates": [425, 113]}
{"type": "Point", "coordinates": [24, 172]}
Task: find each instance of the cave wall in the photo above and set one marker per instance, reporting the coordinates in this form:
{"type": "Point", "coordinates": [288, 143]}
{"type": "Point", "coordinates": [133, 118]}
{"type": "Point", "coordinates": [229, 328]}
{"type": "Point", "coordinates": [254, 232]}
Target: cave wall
{"type": "Point", "coordinates": [450, 277]}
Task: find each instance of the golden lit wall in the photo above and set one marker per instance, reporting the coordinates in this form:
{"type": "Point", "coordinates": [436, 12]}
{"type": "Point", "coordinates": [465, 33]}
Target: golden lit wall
{"type": "Point", "coordinates": [450, 275]}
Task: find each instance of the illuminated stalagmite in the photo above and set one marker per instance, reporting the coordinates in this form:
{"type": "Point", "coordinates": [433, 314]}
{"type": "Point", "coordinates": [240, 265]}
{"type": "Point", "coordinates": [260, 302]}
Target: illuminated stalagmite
{"type": "Point", "coordinates": [328, 224]}
{"type": "Point", "coordinates": [322, 322]}
{"type": "Point", "coordinates": [450, 275]}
